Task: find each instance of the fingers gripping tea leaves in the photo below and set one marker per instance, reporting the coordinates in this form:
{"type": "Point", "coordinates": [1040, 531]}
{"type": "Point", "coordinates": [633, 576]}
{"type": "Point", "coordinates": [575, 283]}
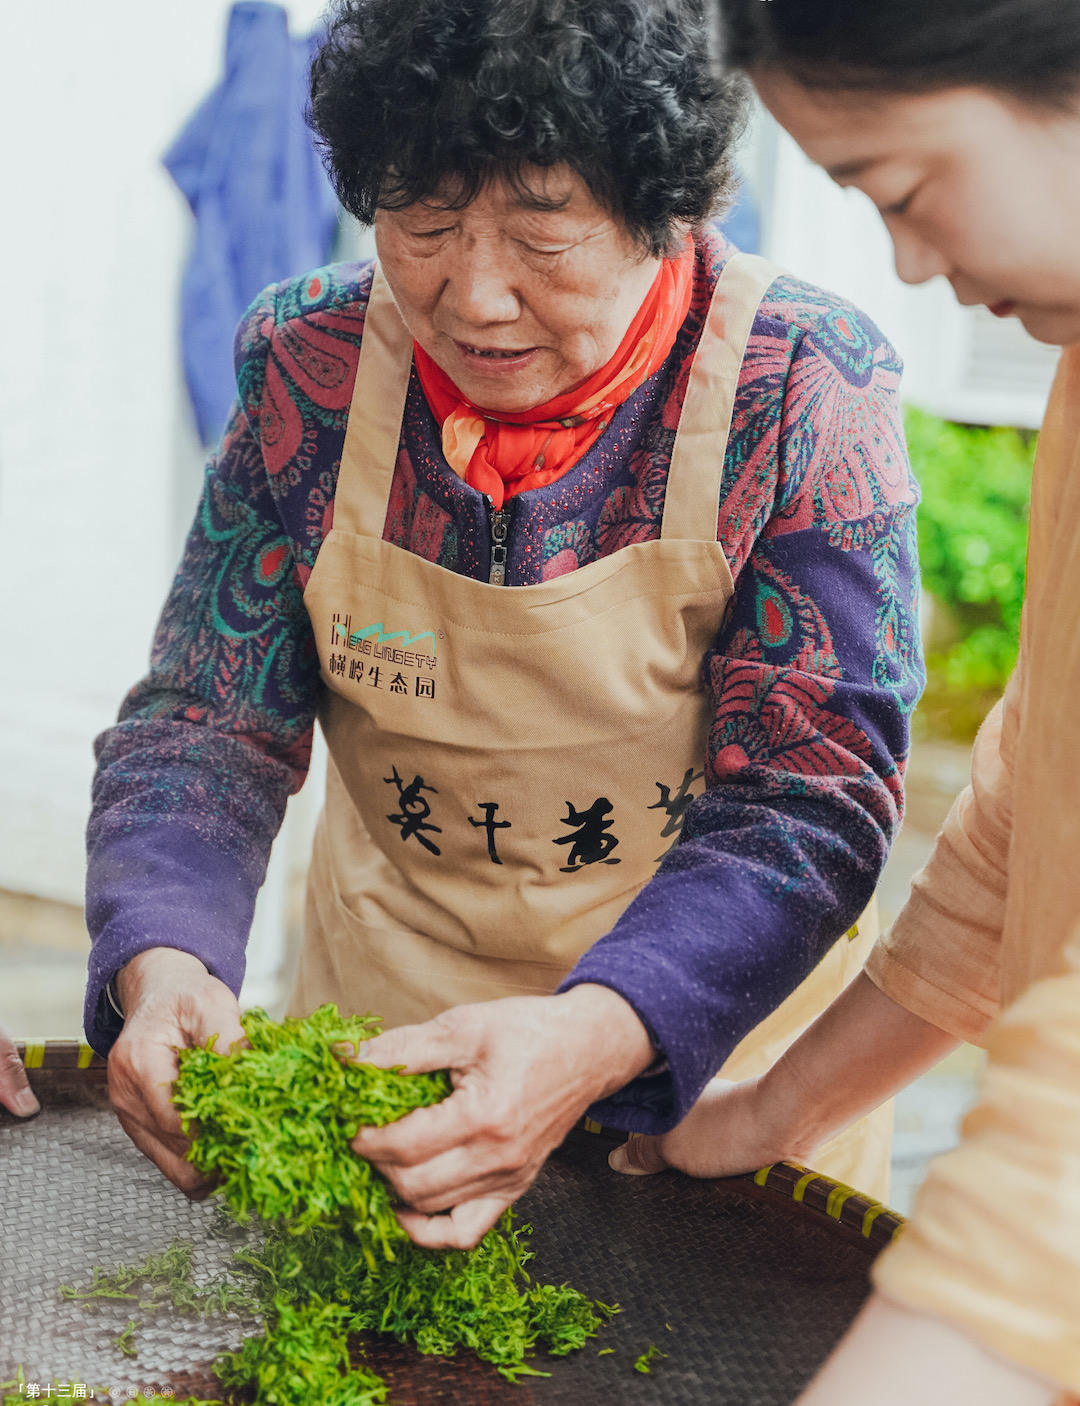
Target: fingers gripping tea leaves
{"type": "Point", "coordinates": [272, 1124]}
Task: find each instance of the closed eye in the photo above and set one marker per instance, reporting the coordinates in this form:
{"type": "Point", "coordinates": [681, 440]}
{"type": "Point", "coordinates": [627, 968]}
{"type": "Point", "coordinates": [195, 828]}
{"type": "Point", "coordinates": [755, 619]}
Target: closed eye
{"type": "Point", "coordinates": [900, 207]}
{"type": "Point", "coordinates": [539, 249]}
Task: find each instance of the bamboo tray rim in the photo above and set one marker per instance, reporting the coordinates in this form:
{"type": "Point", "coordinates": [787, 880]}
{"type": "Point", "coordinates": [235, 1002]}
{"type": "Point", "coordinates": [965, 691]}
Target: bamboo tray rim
{"type": "Point", "coordinates": [787, 1185]}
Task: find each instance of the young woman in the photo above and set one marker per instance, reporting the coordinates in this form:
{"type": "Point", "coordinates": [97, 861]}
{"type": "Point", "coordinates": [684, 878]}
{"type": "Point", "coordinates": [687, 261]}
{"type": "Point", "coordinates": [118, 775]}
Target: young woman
{"type": "Point", "coordinates": [962, 123]}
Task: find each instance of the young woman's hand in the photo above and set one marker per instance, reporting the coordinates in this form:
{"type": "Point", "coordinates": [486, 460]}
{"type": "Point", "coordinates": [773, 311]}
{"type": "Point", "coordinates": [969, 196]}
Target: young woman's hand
{"type": "Point", "coordinates": [732, 1128]}
{"type": "Point", "coordinates": [15, 1092]}
{"type": "Point", "coordinates": [170, 1001]}
{"type": "Point", "coordinates": [858, 1053]}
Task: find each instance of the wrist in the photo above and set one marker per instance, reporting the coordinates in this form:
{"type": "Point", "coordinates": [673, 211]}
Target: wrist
{"type": "Point", "coordinates": [858, 1053]}
{"type": "Point", "coordinates": [788, 1117]}
{"type": "Point", "coordinates": [616, 1043]}
{"type": "Point", "coordinates": [147, 971]}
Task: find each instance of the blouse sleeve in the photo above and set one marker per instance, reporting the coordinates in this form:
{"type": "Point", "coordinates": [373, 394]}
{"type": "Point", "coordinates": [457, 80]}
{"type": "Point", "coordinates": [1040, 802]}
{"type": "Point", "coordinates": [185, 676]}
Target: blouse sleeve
{"type": "Point", "coordinates": [994, 1244]}
{"type": "Point", "coordinates": [941, 959]}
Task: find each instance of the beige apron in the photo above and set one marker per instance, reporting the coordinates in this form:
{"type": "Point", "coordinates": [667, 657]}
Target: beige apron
{"type": "Point", "coordinates": [508, 766]}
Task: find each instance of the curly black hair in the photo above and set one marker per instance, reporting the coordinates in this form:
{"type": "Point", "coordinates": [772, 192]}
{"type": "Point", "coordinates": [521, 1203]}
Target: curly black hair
{"type": "Point", "coordinates": [1029, 49]}
{"type": "Point", "coordinates": [422, 99]}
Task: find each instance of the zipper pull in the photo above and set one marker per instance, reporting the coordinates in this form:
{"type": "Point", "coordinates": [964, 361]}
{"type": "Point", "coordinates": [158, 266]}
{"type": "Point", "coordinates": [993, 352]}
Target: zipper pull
{"type": "Point", "coordinates": [500, 527]}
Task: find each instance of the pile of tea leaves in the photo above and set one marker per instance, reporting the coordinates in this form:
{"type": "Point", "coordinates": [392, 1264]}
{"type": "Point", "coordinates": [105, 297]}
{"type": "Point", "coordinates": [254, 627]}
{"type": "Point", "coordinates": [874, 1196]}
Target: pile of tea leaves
{"type": "Point", "coordinates": [271, 1124]}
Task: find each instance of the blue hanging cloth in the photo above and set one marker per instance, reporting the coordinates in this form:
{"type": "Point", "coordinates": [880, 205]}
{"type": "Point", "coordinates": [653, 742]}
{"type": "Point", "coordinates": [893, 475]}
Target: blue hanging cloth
{"type": "Point", "coordinates": [264, 208]}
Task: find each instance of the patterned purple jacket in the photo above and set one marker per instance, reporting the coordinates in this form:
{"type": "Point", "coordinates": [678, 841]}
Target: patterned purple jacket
{"type": "Point", "coordinates": [813, 674]}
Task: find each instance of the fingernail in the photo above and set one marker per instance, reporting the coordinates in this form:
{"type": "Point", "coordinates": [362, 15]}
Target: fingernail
{"type": "Point", "coordinates": [26, 1105]}
{"type": "Point", "coordinates": [619, 1161]}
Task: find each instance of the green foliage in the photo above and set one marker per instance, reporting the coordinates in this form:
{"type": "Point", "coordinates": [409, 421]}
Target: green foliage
{"type": "Point", "coordinates": [126, 1343]}
{"type": "Point", "coordinates": [272, 1125]}
{"type": "Point", "coordinates": [13, 1393]}
{"type": "Point", "coordinates": [481, 1299]}
{"type": "Point", "coordinates": [304, 1357]}
{"type": "Point", "coordinates": [973, 522]}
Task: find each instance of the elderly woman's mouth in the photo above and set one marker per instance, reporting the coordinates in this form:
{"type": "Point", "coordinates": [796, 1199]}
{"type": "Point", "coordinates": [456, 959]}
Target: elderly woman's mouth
{"type": "Point", "coordinates": [497, 359]}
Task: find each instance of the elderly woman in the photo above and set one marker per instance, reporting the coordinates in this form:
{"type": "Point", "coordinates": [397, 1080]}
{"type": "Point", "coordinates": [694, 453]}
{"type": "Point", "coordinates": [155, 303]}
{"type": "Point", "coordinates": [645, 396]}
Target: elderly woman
{"type": "Point", "coordinates": [590, 543]}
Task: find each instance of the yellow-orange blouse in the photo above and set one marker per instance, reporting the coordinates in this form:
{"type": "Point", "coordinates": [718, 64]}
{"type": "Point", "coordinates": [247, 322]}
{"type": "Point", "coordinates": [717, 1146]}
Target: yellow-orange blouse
{"type": "Point", "coordinates": [988, 947]}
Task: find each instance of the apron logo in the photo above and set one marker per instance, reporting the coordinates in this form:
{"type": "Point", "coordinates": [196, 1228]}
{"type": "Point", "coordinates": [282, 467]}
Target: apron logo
{"type": "Point", "coordinates": [391, 647]}
{"type": "Point", "coordinates": [371, 639]}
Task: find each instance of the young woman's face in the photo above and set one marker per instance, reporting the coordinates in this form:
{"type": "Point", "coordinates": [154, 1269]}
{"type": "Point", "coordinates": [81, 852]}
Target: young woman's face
{"type": "Point", "coordinates": [971, 185]}
{"type": "Point", "coordinates": [516, 305]}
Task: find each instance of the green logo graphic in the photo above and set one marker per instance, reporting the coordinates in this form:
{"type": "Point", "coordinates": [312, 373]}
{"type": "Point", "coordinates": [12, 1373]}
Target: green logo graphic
{"type": "Point", "coordinates": [384, 636]}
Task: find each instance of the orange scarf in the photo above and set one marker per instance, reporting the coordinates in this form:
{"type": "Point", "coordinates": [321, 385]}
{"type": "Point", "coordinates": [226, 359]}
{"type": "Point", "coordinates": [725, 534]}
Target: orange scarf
{"type": "Point", "coordinates": [508, 454]}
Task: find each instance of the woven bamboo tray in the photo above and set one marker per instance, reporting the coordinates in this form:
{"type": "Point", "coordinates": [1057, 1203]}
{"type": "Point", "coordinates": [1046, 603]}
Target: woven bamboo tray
{"type": "Point", "coordinates": [757, 1276]}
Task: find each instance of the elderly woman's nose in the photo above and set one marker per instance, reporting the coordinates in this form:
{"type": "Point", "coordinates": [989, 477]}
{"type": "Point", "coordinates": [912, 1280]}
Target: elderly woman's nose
{"type": "Point", "coordinates": [479, 291]}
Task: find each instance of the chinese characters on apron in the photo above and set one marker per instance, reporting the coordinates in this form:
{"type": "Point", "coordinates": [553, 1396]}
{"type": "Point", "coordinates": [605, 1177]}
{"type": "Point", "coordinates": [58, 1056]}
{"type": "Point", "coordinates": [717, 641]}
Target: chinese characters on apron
{"type": "Point", "coordinates": [508, 765]}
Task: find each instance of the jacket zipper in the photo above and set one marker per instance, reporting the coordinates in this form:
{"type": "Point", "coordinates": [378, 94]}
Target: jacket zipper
{"type": "Point", "coordinates": [500, 528]}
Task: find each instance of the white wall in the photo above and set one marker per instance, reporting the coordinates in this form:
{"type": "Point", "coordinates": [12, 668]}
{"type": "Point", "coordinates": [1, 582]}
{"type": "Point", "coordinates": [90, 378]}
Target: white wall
{"type": "Point", "coordinates": [98, 461]}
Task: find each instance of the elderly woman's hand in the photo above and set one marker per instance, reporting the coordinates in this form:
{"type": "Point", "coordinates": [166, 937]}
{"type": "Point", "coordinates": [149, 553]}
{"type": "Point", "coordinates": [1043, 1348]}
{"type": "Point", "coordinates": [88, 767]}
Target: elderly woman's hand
{"type": "Point", "coordinates": [15, 1092]}
{"type": "Point", "coordinates": [170, 1001]}
{"type": "Point", "coordinates": [524, 1070]}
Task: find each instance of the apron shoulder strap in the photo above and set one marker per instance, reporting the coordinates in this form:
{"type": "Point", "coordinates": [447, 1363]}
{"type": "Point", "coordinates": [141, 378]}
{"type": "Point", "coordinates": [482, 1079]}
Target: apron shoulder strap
{"type": "Point", "coordinates": [697, 459]}
{"type": "Point", "coordinates": [378, 405]}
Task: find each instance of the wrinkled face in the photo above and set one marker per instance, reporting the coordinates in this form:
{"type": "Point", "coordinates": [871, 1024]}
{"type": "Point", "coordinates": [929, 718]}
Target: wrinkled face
{"type": "Point", "coordinates": [978, 187]}
{"type": "Point", "coordinates": [516, 305]}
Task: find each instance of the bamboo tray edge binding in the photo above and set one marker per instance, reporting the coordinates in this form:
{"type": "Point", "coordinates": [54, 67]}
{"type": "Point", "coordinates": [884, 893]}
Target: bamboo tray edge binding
{"type": "Point", "coordinates": [69, 1071]}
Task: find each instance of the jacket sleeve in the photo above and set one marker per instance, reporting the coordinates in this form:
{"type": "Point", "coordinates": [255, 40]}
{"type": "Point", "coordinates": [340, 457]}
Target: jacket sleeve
{"type": "Point", "coordinates": [812, 680]}
{"type": "Point", "coordinates": [192, 782]}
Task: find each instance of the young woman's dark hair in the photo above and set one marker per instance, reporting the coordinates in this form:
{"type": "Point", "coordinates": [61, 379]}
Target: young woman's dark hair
{"type": "Point", "coordinates": [416, 98]}
{"type": "Point", "coordinates": [1027, 48]}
